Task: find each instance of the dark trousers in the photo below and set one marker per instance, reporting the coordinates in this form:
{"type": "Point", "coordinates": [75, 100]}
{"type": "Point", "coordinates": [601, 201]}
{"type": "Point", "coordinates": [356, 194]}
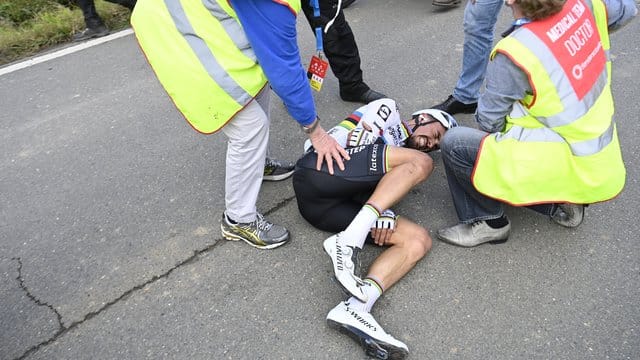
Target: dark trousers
{"type": "Point", "coordinates": [339, 46]}
{"type": "Point", "coordinates": [91, 17]}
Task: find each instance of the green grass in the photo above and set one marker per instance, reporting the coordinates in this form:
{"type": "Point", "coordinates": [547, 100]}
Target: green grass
{"type": "Point", "coordinates": [30, 26]}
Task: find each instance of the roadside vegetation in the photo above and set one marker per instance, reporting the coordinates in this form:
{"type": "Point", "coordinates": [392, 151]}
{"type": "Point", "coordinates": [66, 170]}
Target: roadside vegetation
{"type": "Point", "coordinates": [30, 26]}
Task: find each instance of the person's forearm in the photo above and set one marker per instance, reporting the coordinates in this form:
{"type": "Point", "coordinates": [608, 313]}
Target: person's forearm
{"type": "Point", "coordinates": [506, 85]}
{"type": "Point", "coordinates": [490, 121]}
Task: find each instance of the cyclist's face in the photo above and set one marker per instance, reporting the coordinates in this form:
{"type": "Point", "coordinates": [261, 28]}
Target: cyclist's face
{"type": "Point", "coordinates": [426, 137]}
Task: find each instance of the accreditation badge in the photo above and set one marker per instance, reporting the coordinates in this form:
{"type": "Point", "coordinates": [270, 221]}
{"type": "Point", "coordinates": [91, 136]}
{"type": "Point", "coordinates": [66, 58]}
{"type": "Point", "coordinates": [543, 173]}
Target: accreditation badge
{"type": "Point", "coordinates": [317, 71]}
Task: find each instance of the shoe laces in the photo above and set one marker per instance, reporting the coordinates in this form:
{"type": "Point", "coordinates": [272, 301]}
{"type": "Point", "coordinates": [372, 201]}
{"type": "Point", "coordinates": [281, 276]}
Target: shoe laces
{"type": "Point", "coordinates": [344, 261]}
{"type": "Point", "coordinates": [349, 258]}
{"type": "Point", "coordinates": [262, 223]}
{"type": "Point", "coordinates": [271, 163]}
{"type": "Point", "coordinates": [344, 254]}
{"type": "Point", "coordinates": [450, 100]}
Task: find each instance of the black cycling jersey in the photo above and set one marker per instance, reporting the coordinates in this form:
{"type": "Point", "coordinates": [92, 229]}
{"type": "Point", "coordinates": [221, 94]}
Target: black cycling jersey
{"type": "Point", "coordinates": [330, 202]}
{"type": "Point", "coordinates": [368, 162]}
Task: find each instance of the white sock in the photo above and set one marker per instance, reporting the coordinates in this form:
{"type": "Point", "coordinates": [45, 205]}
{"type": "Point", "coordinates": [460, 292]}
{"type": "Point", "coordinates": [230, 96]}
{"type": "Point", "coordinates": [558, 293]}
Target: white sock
{"type": "Point", "coordinates": [356, 233]}
{"type": "Point", "coordinates": [372, 290]}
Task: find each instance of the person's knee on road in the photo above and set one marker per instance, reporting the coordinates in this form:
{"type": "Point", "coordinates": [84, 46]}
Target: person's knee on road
{"type": "Point", "coordinates": [412, 237]}
{"type": "Point", "coordinates": [449, 138]}
{"type": "Point", "coordinates": [460, 137]}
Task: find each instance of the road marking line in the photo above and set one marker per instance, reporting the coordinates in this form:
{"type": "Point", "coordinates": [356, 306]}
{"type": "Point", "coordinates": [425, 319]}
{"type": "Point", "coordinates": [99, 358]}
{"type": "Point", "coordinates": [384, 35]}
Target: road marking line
{"type": "Point", "coordinates": [63, 52]}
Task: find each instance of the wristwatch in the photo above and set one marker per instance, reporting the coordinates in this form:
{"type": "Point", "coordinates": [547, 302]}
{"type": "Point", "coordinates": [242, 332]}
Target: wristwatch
{"type": "Point", "coordinates": [309, 128]}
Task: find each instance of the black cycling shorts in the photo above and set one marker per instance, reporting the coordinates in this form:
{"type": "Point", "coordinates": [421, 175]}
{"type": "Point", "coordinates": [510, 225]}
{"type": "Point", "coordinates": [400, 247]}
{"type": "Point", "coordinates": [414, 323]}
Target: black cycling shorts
{"type": "Point", "coordinates": [330, 202]}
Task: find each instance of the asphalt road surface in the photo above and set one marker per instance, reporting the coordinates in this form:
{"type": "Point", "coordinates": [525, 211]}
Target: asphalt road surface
{"type": "Point", "coordinates": [110, 205]}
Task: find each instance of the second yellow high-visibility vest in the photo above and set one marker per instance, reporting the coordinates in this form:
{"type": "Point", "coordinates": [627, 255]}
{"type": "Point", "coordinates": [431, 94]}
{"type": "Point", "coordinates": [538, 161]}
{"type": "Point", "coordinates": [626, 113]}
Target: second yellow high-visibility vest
{"type": "Point", "coordinates": [560, 143]}
{"type": "Point", "coordinates": [202, 57]}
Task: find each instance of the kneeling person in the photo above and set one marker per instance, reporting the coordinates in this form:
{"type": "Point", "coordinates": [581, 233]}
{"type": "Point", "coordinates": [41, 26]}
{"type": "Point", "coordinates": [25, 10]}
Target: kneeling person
{"type": "Point", "coordinates": [355, 203]}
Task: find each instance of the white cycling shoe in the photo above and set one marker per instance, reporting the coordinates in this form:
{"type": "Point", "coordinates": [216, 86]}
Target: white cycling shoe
{"type": "Point", "coordinates": [362, 327]}
{"type": "Point", "coordinates": [344, 259]}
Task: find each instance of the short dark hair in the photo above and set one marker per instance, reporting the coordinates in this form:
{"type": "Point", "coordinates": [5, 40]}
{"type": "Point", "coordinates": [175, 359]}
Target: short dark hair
{"type": "Point", "coordinates": [540, 9]}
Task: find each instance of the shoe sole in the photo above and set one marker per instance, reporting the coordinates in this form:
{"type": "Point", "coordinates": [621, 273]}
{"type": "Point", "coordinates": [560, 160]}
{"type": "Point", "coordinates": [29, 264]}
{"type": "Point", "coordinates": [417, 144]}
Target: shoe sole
{"type": "Point", "coordinates": [568, 225]}
{"type": "Point", "coordinates": [571, 225]}
{"type": "Point", "coordinates": [465, 111]}
{"type": "Point", "coordinates": [372, 347]}
{"type": "Point", "coordinates": [347, 294]}
{"type": "Point", "coordinates": [447, 5]}
{"type": "Point", "coordinates": [233, 237]}
{"type": "Point", "coordinates": [491, 242]}
{"type": "Point", "coordinates": [94, 36]}
{"type": "Point", "coordinates": [469, 111]}
{"type": "Point", "coordinates": [335, 278]}
{"type": "Point", "coordinates": [277, 177]}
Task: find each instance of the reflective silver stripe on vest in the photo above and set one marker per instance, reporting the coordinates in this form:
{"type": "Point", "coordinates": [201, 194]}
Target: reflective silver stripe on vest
{"type": "Point", "coordinates": [590, 5]}
{"type": "Point", "coordinates": [232, 27]}
{"type": "Point", "coordinates": [574, 108]}
{"type": "Point", "coordinates": [593, 146]}
{"type": "Point", "coordinates": [204, 54]}
{"type": "Point", "coordinates": [582, 148]}
{"type": "Point", "coordinates": [607, 52]}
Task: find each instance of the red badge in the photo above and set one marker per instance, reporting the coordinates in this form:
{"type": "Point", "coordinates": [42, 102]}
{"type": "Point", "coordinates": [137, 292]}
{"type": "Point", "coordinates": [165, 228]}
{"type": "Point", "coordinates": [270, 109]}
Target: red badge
{"type": "Point", "coordinates": [573, 38]}
{"type": "Point", "coordinates": [317, 71]}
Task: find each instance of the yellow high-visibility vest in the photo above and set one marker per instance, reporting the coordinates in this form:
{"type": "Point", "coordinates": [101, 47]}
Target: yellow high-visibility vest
{"type": "Point", "coordinates": [560, 143]}
{"type": "Point", "coordinates": [202, 57]}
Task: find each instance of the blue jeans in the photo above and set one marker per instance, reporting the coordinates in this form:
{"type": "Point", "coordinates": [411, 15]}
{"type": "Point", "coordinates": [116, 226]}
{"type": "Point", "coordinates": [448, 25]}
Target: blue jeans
{"type": "Point", "coordinates": [460, 147]}
{"type": "Point", "coordinates": [479, 25]}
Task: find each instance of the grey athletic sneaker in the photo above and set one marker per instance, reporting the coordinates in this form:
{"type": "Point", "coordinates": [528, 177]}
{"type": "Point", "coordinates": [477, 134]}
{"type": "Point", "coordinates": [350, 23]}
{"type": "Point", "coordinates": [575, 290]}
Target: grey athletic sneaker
{"type": "Point", "coordinates": [568, 215]}
{"type": "Point", "coordinates": [260, 233]}
{"type": "Point", "coordinates": [275, 170]}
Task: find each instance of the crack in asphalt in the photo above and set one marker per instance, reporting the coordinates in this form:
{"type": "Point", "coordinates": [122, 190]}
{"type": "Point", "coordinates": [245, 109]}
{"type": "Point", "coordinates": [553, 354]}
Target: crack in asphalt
{"type": "Point", "coordinates": [281, 204]}
{"type": "Point", "coordinates": [32, 297]}
{"type": "Point", "coordinates": [63, 330]}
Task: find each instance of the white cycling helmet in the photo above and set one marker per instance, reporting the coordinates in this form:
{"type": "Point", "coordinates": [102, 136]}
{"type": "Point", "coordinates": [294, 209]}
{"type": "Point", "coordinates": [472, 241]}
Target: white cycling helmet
{"type": "Point", "coordinates": [442, 117]}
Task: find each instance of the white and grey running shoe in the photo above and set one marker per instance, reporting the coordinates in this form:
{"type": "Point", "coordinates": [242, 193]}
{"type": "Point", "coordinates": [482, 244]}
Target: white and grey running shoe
{"type": "Point", "coordinates": [261, 233]}
{"type": "Point", "coordinates": [362, 327]}
{"type": "Point", "coordinates": [275, 170]}
{"type": "Point", "coordinates": [344, 259]}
